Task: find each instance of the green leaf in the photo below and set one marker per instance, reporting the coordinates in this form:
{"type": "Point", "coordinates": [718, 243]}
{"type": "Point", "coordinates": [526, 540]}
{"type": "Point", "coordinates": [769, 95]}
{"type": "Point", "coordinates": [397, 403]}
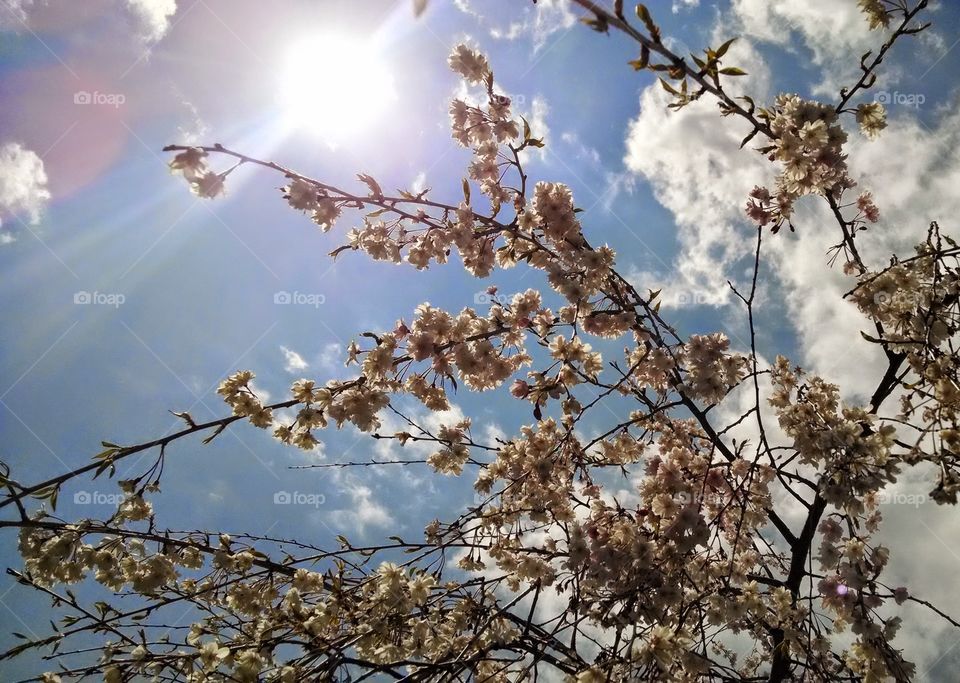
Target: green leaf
{"type": "Point", "coordinates": [669, 88]}
{"type": "Point", "coordinates": [466, 191]}
{"type": "Point", "coordinates": [722, 50]}
{"type": "Point", "coordinates": [49, 493]}
{"type": "Point", "coordinates": [526, 128]}
{"type": "Point", "coordinates": [598, 23]}
{"type": "Point", "coordinates": [641, 64]}
{"type": "Point", "coordinates": [749, 137]}
{"type": "Point", "coordinates": [102, 455]}
{"type": "Point", "coordinates": [215, 434]}
{"type": "Point", "coordinates": [104, 466]}
{"type": "Point", "coordinates": [644, 14]}
{"type": "Point", "coordinates": [733, 71]}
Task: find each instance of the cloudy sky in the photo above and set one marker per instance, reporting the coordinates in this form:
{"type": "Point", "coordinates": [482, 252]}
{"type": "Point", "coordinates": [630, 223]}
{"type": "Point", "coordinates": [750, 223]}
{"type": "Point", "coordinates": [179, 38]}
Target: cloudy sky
{"type": "Point", "coordinates": [125, 296]}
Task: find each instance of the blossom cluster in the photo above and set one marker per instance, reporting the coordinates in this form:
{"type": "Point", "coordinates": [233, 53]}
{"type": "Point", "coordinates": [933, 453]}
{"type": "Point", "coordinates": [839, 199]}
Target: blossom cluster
{"type": "Point", "coordinates": [843, 442]}
{"type": "Point", "coordinates": [850, 591]}
{"type": "Point", "coordinates": [305, 196]}
{"type": "Point", "coordinates": [703, 368]}
{"type": "Point", "coordinates": [808, 142]}
{"type": "Point", "coordinates": [402, 615]}
{"type": "Point", "coordinates": [237, 393]}
{"type": "Point", "coordinates": [872, 118]}
{"type": "Point", "coordinates": [451, 458]}
{"type": "Point", "coordinates": [55, 557]}
{"type": "Point", "coordinates": [877, 13]}
{"type": "Point", "coordinates": [192, 164]}
{"type": "Point", "coordinates": [908, 300]}
{"type": "Point", "coordinates": [466, 343]}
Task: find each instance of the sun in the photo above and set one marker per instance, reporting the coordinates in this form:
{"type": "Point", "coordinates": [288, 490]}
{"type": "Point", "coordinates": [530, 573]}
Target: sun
{"type": "Point", "coordinates": [335, 87]}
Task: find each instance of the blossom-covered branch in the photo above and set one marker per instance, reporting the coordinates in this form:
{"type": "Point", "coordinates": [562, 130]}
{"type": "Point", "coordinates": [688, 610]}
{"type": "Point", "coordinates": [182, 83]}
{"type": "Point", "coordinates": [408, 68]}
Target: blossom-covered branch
{"type": "Point", "coordinates": [696, 575]}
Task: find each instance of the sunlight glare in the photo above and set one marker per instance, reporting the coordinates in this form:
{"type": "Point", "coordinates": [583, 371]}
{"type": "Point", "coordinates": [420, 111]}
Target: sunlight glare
{"type": "Point", "coordinates": [335, 87]}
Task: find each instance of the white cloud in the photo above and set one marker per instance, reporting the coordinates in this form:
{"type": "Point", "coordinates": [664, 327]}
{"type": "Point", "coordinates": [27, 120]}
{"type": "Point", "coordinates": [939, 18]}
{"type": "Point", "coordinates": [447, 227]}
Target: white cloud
{"type": "Point", "coordinates": [23, 185]}
{"type": "Point", "coordinates": [154, 16]}
{"type": "Point", "coordinates": [536, 23]}
{"type": "Point", "coordinates": [466, 7]}
{"type": "Point", "coordinates": [695, 166]}
{"type": "Point", "coordinates": [551, 16]}
{"type": "Point", "coordinates": [419, 183]}
{"type": "Point", "coordinates": [192, 130]}
{"type": "Point", "coordinates": [832, 31]}
{"type": "Point", "coordinates": [331, 357]}
{"type": "Point", "coordinates": [261, 393]}
{"type": "Point", "coordinates": [679, 5]}
{"type": "Point", "coordinates": [365, 510]}
{"type": "Point", "coordinates": [492, 433]}
{"type": "Point", "coordinates": [537, 117]}
{"type": "Point", "coordinates": [616, 183]}
{"type": "Point", "coordinates": [581, 151]}
{"type": "Point", "coordinates": [588, 158]}
{"type": "Point", "coordinates": [13, 14]}
{"type": "Point", "coordinates": [293, 361]}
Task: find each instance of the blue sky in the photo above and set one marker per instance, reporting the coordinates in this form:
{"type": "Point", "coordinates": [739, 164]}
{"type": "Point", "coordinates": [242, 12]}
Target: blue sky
{"type": "Point", "coordinates": [198, 279]}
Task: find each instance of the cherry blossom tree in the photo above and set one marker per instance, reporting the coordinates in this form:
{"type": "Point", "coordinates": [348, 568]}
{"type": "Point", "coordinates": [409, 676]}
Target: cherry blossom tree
{"type": "Point", "coordinates": [546, 573]}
